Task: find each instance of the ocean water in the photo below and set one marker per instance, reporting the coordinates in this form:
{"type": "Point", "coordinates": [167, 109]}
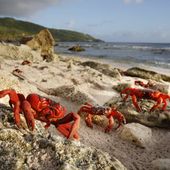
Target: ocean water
{"type": "Point", "coordinates": [134, 54]}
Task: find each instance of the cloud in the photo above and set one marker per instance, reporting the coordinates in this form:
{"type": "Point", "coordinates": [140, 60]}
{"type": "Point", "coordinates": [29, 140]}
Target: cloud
{"type": "Point", "coordinates": [21, 8]}
{"type": "Point", "coordinates": [133, 1]}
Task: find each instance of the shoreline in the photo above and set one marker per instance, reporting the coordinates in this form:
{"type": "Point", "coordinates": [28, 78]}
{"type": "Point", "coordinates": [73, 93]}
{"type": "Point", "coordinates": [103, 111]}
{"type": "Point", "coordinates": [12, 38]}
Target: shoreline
{"type": "Point", "coordinates": [120, 65]}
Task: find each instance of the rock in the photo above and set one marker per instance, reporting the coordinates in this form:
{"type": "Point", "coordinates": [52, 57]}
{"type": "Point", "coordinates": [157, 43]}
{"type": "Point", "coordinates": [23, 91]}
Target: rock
{"type": "Point", "coordinates": [155, 118]}
{"type": "Point", "coordinates": [20, 149]}
{"type": "Point", "coordinates": [76, 48]}
{"type": "Point", "coordinates": [161, 164]}
{"type": "Point", "coordinates": [136, 133]}
{"type": "Point", "coordinates": [146, 74]}
{"type": "Point", "coordinates": [121, 86]}
{"type": "Point", "coordinates": [70, 93]}
{"type": "Point", "coordinates": [103, 68]}
{"type": "Point", "coordinates": [25, 39]}
{"type": "Point", "coordinates": [12, 149]}
{"type": "Point", "coordinates": [10, 51]}
{"type": "Point", "coordinates": [44, 42]}
{"type": "Point", "coordinates": [162, 87]}
{"type": "Point", "coordinates": [26, 62]}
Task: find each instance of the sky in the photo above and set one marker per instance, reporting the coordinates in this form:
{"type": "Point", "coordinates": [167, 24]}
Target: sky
{"type": "Point", "coordinates": [109, 20]}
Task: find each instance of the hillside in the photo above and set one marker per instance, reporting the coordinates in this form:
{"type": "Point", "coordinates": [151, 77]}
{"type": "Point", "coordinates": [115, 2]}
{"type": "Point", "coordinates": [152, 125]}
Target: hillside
{"type": "Point", "coordinates": [12, 30]}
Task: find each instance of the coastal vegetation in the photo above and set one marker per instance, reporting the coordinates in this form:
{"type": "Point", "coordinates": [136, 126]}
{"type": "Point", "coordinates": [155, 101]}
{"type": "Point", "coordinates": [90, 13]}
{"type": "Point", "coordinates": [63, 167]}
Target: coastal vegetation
{"type": "Point", "coordinates": [13, 30]}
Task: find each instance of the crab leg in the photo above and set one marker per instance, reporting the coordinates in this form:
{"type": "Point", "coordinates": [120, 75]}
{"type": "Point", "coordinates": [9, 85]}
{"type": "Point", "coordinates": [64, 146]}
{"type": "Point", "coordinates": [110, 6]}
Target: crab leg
{"type": "Point", "coordinates": [14, 101]}
{"type": "Point", "coordinates": [65, 130]}
{"type": "Point", "coordinates": [110, 125]}
{"type": "Point", "coordinates": [159, 101]}
{"type": "Point", "coordinates": [165, 97]}
{"type": "Point", "coordinates": [28, 114]}
{"type": "Point", "coordinates": [16, 113]}
{"type": "Point", "coordinates": [125, 98]}
{"type": "Point", "coordinates": [88, 120]}
{"type": "Point", "coordinates": [134, 100]}
{"type": "Point", "coordinates": [124, 92]}
{"type": "Point", "coordinates": [84, 109]}
{"type": "Point", "coordinates": [165, 104]}
{"type": "Point", "coordinates": [60, 124]}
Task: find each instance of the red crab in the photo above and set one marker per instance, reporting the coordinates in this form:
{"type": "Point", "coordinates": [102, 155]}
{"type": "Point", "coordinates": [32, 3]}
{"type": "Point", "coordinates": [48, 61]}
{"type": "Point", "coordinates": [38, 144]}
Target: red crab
{"type": "Point", "coordinates": [109, 112]}
{"type": "Point", "coordinates": [26, 62]}
{"type": "Point", "coordinates": [140, 83]}
{"type": "Point", "coordinates": [43, 109]}
{"type": "Point", "coordinates": [146, 94]}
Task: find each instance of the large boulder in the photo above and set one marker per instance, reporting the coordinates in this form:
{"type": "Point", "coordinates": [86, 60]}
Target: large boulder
{"type": "Point", "coordinates": [146, 74]}
{"type": "Point", "coordinates": [162, 87]}
{"type": "Point", "coordinates": [44, 42]}
{"type": "Point", "coordinates": [136, 133]}
{"type": "Point", "coordinates": [156, 118]}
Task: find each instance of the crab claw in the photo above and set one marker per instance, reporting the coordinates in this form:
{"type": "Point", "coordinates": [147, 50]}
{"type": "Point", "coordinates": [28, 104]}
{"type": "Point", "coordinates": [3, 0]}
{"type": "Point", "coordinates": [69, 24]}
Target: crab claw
{"type": "Point", "coordinates": [14, 102]}
{"type": "Point", "coordinates": [65, 130]}
{"type": "Point", "coordinates": [28, 114]}
{"type": "Point", "coordinates": [121, 119]}
{"type": "Point", "coordinates": [68, 130]}
{"type": "Point", "coordinates": [88, 121]}
{"type": "Point", "coordinates": [107, 129]}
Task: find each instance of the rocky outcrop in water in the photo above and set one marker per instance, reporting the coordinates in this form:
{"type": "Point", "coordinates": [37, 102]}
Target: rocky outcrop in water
{"type": "Point", "coordinates": [76, 48]}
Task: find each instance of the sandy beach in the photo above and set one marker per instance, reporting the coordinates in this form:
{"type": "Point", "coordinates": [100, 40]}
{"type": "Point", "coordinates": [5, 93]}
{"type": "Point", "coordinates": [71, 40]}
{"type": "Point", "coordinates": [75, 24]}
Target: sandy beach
{"type": "Point", "coordinates": [92, 85]}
